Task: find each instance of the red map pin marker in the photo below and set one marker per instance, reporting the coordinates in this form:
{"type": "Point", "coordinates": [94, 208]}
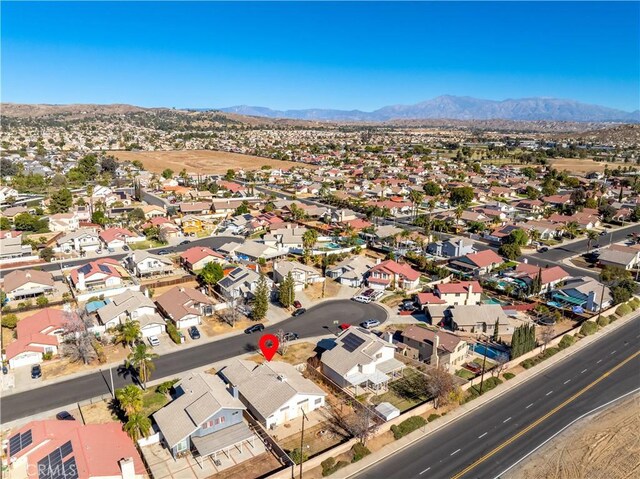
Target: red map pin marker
{"type": "Point", "coordinates": [269, 345]}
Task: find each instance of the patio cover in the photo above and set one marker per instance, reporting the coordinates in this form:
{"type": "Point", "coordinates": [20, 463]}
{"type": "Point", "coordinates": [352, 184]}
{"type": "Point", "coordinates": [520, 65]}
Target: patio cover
{"type": "Point", "coordinates": [222, 439]}
{"type": "Point", "coordinates": [390, 365]}
{"type": "Point", "coordinates": [376, 378]}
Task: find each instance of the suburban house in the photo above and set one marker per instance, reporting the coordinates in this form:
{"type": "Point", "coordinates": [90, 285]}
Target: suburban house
{"type": "Point", "coordinates": [463, 292]}
{"type": "Point", "coordinates": [286, 239]}
{"type": "Point", "coordinates": [451, 248]}
{"type": "Point", "coordinates": [63, 222]}
{"type": "Point", "coordinates": [480, 318]}
{"type": "Point", "coordinates": [99, 274]}
{"type": "Point", "coordinates": [131, 306]}
{"type": "Point", "coordinates": [192, 225]}
{"type": "Point", "coordinates": [203, 418]}
{"type": "Point", "coordinates": [437, 347]}
{"type": "Point", "coordinates": [583, 292]}
{"type": "Point", "coordinates": [11, 245]}
{"type": "Point", "coordinates": [196, 258]}
{"type": "Point", "coordinates": [625, 257]}
{"type": "Point", "coordinates": [351, 271]}
{"type": "Point", "coordinates": [303, 275]}
{"type": "Point", "coordinates": [253, 251]}
{"type": "Point", "coordinates": [274, 392]}
{"type": "Point", "coordinates": [27, 283]}
{"type": "Point", "coordinates": [195, 208]}
{"type": "Point", "coordinates": [144, 264]}
{"type": "Point", "coordinates": [185, 306]}
{"type": "Point", "coordinates": [393, 275]}
{"type": "Point", "coordinates": [36, 335]}
{"type": "Point", "coordinates": [549, 277]}
{"type": "Point", "coordinates": [241, 281]}
{"type": "Point", "coordinates": [360, 359]}
{"type": "Point", "coordinates": [478, 263]}
{"type": "Point", "coordinates": [118, 237]}
{"type": "Point", "coordinates": [71, 449]}
{"type": "Point", "coordinates": [153, 211]}
{"type": "Point", "coordinates": [81, 240]}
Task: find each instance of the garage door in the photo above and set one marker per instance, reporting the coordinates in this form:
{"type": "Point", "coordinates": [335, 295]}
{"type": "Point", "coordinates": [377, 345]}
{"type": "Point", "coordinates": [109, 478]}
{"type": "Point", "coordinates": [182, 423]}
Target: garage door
{"type": "Point", "coordinates": [152, 330]}
{"type": "Point", "coordinates": [25, 359]}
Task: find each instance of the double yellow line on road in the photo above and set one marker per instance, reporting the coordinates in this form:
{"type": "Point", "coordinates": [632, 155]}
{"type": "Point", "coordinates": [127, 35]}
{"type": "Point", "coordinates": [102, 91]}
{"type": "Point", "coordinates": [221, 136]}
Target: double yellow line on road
{"type": "Point", "coordinates": [543, 418]}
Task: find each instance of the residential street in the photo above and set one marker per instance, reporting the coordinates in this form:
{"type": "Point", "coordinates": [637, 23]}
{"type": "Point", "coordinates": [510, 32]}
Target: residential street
{"type": "Point", "coordinates": [317, 321]}
{"type": "Point", "coordinates": [489, 440]}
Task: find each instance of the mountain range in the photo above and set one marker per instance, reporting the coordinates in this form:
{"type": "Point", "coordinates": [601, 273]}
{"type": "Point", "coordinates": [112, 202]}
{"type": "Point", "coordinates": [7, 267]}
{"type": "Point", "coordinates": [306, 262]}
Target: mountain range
{"type": "Point", "coordinates": [457, 108]}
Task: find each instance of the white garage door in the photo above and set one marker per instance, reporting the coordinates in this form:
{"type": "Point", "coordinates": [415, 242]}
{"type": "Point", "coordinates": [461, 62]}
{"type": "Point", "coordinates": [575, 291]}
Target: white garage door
{"type": "Point", "coordinates": [25, 359]}
{"type": "Point", "coordinates": [152, 330]}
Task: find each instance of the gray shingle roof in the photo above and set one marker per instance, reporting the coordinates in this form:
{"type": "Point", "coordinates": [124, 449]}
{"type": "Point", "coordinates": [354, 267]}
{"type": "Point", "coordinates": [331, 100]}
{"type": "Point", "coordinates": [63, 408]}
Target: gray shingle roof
{"type": "Point", "coordinates": [342, 358]}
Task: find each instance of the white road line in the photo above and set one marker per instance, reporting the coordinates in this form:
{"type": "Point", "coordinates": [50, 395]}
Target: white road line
{"type": "Point", "coordinates": [508, 419]}
{"type": "Point", "coordinates": [583, 371]}
{"type": "Point", "coordinates": [563, 429]}
{"type": "Point", "coordinates": [598, 361]}
{"type": "Point", "coordinates": [529, 406]}
{"type": "Point", "coordinates": [455, 452]}
{"type": "Point", "coordinates": [548, 393]}
{"type": "Point", "coordinates": [425, 470]}
{"type": "Point", "coordinates": [567, 381]}
{"type": "Point", "coordinates": [483, 435]}
{"type": "Point", "coordinates": [612, 352]}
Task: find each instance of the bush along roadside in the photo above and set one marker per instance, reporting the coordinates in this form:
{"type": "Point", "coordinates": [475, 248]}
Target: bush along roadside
{"type": "Point", "coordinates": [487, 386]}
{"type": "Point", "coordinates": [546, 354]}
{"type": "Point", "coordinates": [407, 426]}
{"type": "Point", "coordinates": [329, 466]}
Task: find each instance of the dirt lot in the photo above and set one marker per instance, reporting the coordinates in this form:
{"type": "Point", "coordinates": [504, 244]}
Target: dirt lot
{"type": "Point", "coordinates": [200, 161]}
{"type": "Point", "coordinates": [605, 445]}
{"type": "Point", "coordinates": [296, 354]}
{"type": "Point", "coordinates": [577, 165]}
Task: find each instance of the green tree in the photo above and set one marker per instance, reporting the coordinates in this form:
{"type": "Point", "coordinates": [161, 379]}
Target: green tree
{"type": "Point", "coordinates": [136, 215]}
{"type": "Point", "coordinates": [309, 238]}
{"type": "Point", "coordinates": [141, 360]}
{"type": "Point", "coordinates": [261, 302]}
{"type": "Point", "coordinates": [518, 237]}
{"type": "Point", "coordinates": [462, 195]}
{"type": "Point", "coordinates": [510, 251]}
{"type": "Point", "coordinates": [5, 223]}
{"type": "Point", "coordinates": [99, 218]}
{"type": "Point", "coordinates": [167, 173]}
{"type": "Point", "coordinates": [127, 333]}
{"type": "Point", "coordinates": [230, 175]}
{"type": "Point", "coordinates": [591, 237]}
{"type": "Point", "coordinates": [243, 209]}
{"type": "Point", "coordinates": [211, 274]}
{"type": "Point", "coordinates": [137, 426]}
{"type": "Point", "coordinates": [286, 291]}
{"type": "Point", "coordinates": [496, 332]}
{"type": "Point", "coordinates": [61, 201]}
{"type": "Point", "coordinates": [47, 254]}
{"type": "Point", "coordinates": [130, 399]}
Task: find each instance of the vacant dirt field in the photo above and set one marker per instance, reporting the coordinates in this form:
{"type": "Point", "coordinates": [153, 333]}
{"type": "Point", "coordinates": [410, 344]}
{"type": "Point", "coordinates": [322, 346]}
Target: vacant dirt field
{"type": "Point", "coordinates": [604, 445]}
{"type": "Point", "coordinates": [200, 161]}
{"type": "Point", "coordinates": [578, 166]}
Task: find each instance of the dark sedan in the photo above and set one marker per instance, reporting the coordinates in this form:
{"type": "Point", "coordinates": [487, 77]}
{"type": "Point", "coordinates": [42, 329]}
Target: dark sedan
{"type": "Point", "coordinates": [254, 329]}
{"type": "Point", "coordinates": [65, 416]}
{"type": "Point", "coordinates": [194, 333]}
{"type": "Point", "coordinates": [298, 312]}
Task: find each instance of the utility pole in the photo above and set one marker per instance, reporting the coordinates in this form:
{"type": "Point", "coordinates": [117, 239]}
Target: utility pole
{"type": "Point", "coordinates": [113, 391]}
{"type": "Point", "coordinates": [304, 416]}
{"type": "Point", "coordinates": [601, 300]}
{"type": "Point", "coordinates": [484, 362]}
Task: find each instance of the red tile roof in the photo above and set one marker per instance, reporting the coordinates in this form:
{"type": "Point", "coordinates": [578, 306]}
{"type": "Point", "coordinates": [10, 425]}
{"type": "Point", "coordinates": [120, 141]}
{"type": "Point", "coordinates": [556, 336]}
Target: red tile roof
{"type": "Point", "coordinates": [485, 258]}
{"type": "Point", "coordinates": [548, 275]}
{"type": "Point", "coordinates": [111, 234]}
{"type": "Point", "coordinates": [37, 329]}
{"type": "Point", "coordinates": [393, 267]}
{"type": "Point", "coordinates": [94, 268]}
{"type": "Point", "coordinates": [429, 298]}
{"type": "Point", "coordinates": [197, 253]}
{"type": "Point", "coordinates": [460, 287]}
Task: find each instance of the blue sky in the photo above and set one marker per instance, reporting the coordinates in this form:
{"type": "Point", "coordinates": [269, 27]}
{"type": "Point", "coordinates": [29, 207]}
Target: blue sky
{"type": "Point", "coordinates": [327, 55]}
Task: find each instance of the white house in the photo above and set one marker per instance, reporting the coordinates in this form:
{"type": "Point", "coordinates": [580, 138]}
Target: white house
{"type": "Point", "coordinates": [302, 274]}
{"type": "Point", "coordinates": [64, 222]}
{"type": "Point", "coordinates": [351, 271]}
{"type": "Point", "coordinates": [118, 237]}
{"type": "Point", "coordinates": [360, 359]}
{"type": "Point", "coordinates": [84, 239]}
{"type": "Point", "coordinates": [274, 392]}
{"type": "Point", "coordinates": [131, 306]}
{"type": "Point", "coordinates": [145, 264]}
{"type": "Point", "coordinates": [27, 283]}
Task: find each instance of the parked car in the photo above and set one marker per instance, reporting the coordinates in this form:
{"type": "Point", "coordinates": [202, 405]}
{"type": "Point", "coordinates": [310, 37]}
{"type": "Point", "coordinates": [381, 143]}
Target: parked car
{"type": "Point", "coordinates": [377, 295]}
{"type": "Point", "coordinates": [297, 304]}
{"type": "Point", "coordinates": [98, 251]}
{"type": "Point", "coordinates": [256, 328]}
{"type": "Point", "coordinates": [362, 299]}
{"type": "Point", "coordinates": [65, 416]}
{"type": "Point", "coordinates": [367, 293]}
{"type": "Point", "coordinates": [194, 333]}
{"type": "Point", "coordinates": [126, 248]}
{"type": "Point", "coordinates": [164, 251]}
{"type": "Point", "coordinates": [184, 242]}
{"type": "Point", "coordinates": [344, 326]}
{"type": "Point", "coordinates": [290, 336]}
{"type": "Point", "coordinates": [544, 249]}
{"type": "Point", "coordinates": [298, 312]}
{"type": "Point", "coordinates": [36, 371]}
{"type": "Point", "coordinates": [406, 303]}
{"type": "Point", "coordinates": [473, 367]}
{"type": "Point", "coordinates": [153, 341]}
{"type": "Point", "coordinates": [370, 323]}
{"type": "Point", "coordinates": [408, 307]}
{"type": "Point", "coordinates": [604, 233]}
{"type": "Point", "coordinates": [111, 250]}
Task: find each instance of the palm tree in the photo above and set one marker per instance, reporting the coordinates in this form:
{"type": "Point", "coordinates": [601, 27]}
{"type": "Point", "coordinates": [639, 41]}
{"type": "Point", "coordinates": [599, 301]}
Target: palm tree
{"type": "Point", "coordinates": [137, 426]}
{"type": "Point", "coordinates": [571, 229]}
{"type": "Point", "coordinates": [591, 236]}
{"type": "Point", "coordinates": [416, 199]}
{"type": "Point", "coordinates": [130, 399]}
{"type": "Point", "coordinates": [141, 360]}
{"type": "Point", "coordinates": [309, 238]}
{"type": "Point", "coordinates": [458, 213]}
{"type": "Point", "coordinates": [127, 333]}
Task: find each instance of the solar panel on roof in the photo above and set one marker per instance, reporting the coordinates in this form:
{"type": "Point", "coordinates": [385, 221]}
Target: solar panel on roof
{"type": "Point", "coordinates": [104, 268]}
{"type": "Point", "coordinates": [26, 439]}
{"type": "Point", "coordinates": [85, 269]}
{"type": "Point", "coordinates": [70, 469]}
{"type": "Point", "coordinates": [66, 449]}
{"type": "Point", "coordinates": [52, 467]}
{"type": "Point", "coordinates": [351, 342]}
{"type": "Point", "coordinates": [18, 442]}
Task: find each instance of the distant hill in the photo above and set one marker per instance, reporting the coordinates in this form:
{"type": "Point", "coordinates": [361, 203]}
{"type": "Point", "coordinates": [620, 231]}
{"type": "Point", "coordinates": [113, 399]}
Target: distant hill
{"type": "Point", "coordinates": [458, 108]}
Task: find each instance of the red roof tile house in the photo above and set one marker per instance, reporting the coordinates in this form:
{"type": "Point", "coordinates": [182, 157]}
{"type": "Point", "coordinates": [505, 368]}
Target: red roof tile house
{"type": "Point", "coordinates": [72, 450]}
{"type": "Point", "coordinates": [477, 263]}
{"type": "Point", "coordinates": [196, 258]}
{"type": "Point", "coordinates": [549, 277]}
{"type": "Point", "coordinates": [464, 292]}
{"type": "Point", "coordinates": [102, 273]}
{"type": "Point", "coordinates": [36, 335]}
{"type": "Point", "coordinates": [393, 275]}
{"type": "Point", "coordinates": [118, 237]}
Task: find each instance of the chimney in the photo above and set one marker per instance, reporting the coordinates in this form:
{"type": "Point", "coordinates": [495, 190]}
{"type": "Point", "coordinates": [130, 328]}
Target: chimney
{"type": "Point", "coordinates": [234, 391]}
{"type": "Point", "coordinates": [127, 467]}
{"type": "Point", "coordinates": [28, 275]}
{"type": "Point", "coordinates": [282, 378]}
{"type": "Point", "coordinates": [146, 292]}
{"type": "Point", "coordinates": [389, 337]}
{"type": "Point", "coordinates": [525, 260]}
{"type": "Point", "coordinates": [434, 353]}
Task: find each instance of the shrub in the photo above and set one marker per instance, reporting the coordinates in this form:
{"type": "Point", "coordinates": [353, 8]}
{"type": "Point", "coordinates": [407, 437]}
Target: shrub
{"type": "Point", "coordinates": [566, 341]}
{"type": "Point", "coordinates": [407, 426]}
{"type": "Point", "coordinates": [623, 309]}
{"type": "Point", "coordinates": [297, 457]}
{"type": "Point", "coordinates": [588, 328]}
{"type": "Point", "coordinates": [99, 349]}
{"type": "Point", "coordinates": [47, 356]}
{"type": "Point", "coordinates": [9, 321]}
{"type": "Point", "coordinates": [327, 466]}
{"type": "Point", "coordinates": [172, 331]}
{"type": "Point", "coordinates": [42, 301]}
{"type": "Point", "coordinates": [359, 451]}
{"type": "Point", "coordinates": [529, 363]}
{"type": "Point", "coordinates": [165, 387]}
{"type": "Point", "coordinates": [634, 304]}
{"type": "Point", "coordinates": [603, 321]}
{"type": "Point", "coordinates": [433, 417]}
{"type": "Point", "coordinates": [508, 376]}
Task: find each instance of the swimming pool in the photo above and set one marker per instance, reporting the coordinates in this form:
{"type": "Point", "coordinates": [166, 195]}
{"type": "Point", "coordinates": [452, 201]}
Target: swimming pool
{"type": "Point", "coordinates": [490, 352]}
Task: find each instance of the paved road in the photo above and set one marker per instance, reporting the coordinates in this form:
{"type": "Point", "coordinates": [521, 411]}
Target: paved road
{"type": "Point", "coordinates": [213, 242]}
{"type": "Point", "coordinates": [317, 321]}
{"type": "Point", "coordinates": [486, 442]}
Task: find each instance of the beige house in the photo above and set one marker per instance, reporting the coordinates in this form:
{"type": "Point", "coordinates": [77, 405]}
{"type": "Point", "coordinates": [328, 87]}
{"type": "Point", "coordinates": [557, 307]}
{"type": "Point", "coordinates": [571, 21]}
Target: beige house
{"type": "Point", "coordinates": [437, 347]}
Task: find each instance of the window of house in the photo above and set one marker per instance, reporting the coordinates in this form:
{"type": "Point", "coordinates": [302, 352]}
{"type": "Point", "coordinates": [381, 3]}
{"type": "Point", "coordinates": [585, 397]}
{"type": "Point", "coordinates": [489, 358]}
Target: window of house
{"type": "Point", "coordinates": [318, 401]}
{"type": "Point", "coordinates": [181, 446]}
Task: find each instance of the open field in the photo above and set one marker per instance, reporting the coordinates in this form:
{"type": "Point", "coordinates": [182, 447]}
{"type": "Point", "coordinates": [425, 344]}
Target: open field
{"type": "Point", "coordinates": [578, 166]}
{"type": "Point", "coordinates": [200, 161]}
{"type": "Point", "coordinates": [604, 445]}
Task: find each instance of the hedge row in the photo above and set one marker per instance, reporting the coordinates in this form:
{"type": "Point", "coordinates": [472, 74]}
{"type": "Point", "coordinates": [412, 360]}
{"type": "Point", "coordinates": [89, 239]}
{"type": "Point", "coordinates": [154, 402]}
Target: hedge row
{"type": "Point", "coordinates": [529, 363]}
{"type": "Point", "coordinates": [407, 426]}
{"type": "Point", "coordinates": [487, 386]}
{"type": "Point", "coordinates": [566, 341]}
{"type": "Point", "coordinates": [329, 466]}
{"type": "Point", "coordinates": [588, 328]}
{"type": "Point", "coordinates": [359, 451]}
